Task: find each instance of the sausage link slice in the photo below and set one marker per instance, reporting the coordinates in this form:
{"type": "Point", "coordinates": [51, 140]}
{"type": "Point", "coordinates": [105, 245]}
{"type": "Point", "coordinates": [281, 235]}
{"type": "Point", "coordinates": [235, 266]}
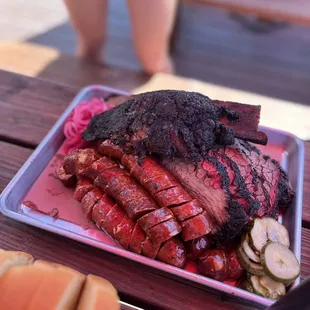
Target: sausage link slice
{"type": "Point", "coordinates": [187, 210]}
{"type": "Point", "coordinates": [149, 169]}
{"type": "Point", "coordinates": [82, 188]}
{"type": "Point", "coordinates": [109, 149]}
{"type": "Point", "coordinates": [137, 238]}
{"type": "Point", "coordinates": [173, 253]}
{"type": "Point", "coordinates": [130, 195]}
{"type": "Point", "coordinates": [113, 219]}
{"type": "Point", "coordinates": [67, 180]}
{"type": "Point", "coordinates": [150, 248]}
{"type": "Point", "coordinates": [89, 201]}
{"type": "Point", "coordinates": [196, 227]}
{"type": "Point", "coordinates": [122, 232]}
{"type": "Point", "coordinates": [103, 179]}
{"type": "Point", "coordinates": [155, 217]}
{"type": "Point", "coordinates": [101, 209]}
{"type": "Point", "coordinates": [172, 196]}
{"type": "Point", "coordinates": [80, 159]}
{"type": "Point", "coordinates": [164, 231]}
{"type": "Point", "coordinates": [98, 167]}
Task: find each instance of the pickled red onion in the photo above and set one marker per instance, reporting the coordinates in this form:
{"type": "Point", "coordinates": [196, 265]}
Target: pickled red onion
{"type": "Point", "coordinates": [78, 121]}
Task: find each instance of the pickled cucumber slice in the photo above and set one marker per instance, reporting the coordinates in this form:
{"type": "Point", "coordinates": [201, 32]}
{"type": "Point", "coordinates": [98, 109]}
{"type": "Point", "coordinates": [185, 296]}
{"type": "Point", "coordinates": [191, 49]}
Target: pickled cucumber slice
{"type": "Point", "coordinates": [280, 263]}
{"type": "Point", "coordinates": [248, 251]}
{"type": "Point", "coordinates": [275, 289]}
{"type": "Point", "coordinates": [248, 265]}
{"type": "Point", "coordinates": [258, 288]}
{"type": "Point", "coordinates": [265, 230]}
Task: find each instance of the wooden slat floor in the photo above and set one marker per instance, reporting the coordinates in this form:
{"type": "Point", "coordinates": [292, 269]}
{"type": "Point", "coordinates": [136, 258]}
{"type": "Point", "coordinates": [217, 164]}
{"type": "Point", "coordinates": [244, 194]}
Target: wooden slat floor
{"type": "Point", "coordinates": [209, 44]}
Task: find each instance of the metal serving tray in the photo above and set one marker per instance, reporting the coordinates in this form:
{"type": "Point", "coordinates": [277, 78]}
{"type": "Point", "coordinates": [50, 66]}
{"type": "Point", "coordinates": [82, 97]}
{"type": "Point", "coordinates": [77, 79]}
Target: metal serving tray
{"type": "Point", "coordinates": [285, 147]}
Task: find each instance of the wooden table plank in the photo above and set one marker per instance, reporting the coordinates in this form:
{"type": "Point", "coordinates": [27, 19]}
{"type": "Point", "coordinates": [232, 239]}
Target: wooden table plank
{"type": "Point", "coordinates": [30, 106]}
{"type": "Point", "coordinates": [306, 192]}
{"type": "Point", "coordinates": [11, 159]}
{"type": "Point", "coordinates": [297, 11]}
{"type": "Point", "coordinates": [149, 284]}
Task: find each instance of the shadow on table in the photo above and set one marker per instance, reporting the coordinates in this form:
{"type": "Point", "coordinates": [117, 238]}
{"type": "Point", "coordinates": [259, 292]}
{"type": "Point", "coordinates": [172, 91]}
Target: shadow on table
{"type": "Point", "coordinates": [209, 45]}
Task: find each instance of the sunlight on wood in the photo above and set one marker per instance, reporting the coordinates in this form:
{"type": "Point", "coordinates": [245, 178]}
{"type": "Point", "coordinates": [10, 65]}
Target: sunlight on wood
{"type": "Point", "coordinates": [276, 113]}
{"type": "Point", "coordinates": [25, 58]}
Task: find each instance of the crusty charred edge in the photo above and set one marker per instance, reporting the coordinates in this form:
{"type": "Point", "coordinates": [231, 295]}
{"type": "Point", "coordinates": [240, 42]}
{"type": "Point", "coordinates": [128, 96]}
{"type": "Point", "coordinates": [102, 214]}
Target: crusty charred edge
{"type": "Point", "coordinates": [246, 126]}
{"type": "Point", "coordinates": [236, 214]}
{"type": "Point", "coordinates": [238, 182]}
{"type": "Point", "coordinates": [67, 180]}
{"type": "Point", "coordinates": [162, 185]}
{"type": "Point", "coordinates": [257, 181]}
{"type": "Point", "coordinates": [284, 191]}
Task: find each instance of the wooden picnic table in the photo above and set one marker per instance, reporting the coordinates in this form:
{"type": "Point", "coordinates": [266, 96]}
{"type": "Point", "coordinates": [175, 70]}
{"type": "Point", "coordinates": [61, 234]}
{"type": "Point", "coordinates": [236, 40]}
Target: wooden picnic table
{"type": "Point", "coordinates": [28, 109]}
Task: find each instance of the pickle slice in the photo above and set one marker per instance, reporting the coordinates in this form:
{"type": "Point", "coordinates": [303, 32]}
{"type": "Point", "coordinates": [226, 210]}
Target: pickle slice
{"type": "Point", "coordinates": [248, 251]}
{"type": "Point", "coordinates": [265, 230]}
{"type": "Point", "coordinates": [248, 265]}
{"type": "Point", "coordinates": [280, 263]}
{"type": "Point", "coordinates": [275, 289]}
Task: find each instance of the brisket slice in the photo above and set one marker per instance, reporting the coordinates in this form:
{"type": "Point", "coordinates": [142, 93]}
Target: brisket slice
{"type": "Point", "coordinates": [275, 179]}
{"type": "Point", "coordinates": [208, 182]}
{"type": "Point", "coordinates": [238, 187]}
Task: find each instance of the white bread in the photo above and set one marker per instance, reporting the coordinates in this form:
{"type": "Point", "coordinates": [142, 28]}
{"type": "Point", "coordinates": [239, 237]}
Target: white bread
{"type": "Point", "coordinates": [47, 286]}
{"type": "Point", "coordinates": [98, 294]}
{"type": "Point", "coordinates": [40, 286]}
{"type": "Point", "coordinates": [9, 259]}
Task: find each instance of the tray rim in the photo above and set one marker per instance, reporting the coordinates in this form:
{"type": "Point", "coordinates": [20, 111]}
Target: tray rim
{"type": "Point", "coordinates": [188, 276]}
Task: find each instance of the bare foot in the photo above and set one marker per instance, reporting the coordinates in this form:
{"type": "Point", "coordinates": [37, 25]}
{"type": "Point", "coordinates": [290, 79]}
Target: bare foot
{"type": "Point", "coordinates": [90, 51]}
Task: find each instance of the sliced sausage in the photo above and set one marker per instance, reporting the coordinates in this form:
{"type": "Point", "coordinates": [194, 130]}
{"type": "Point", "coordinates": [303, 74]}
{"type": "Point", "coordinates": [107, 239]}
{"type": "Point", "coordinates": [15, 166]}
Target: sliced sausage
{"type": "Point", "coordinates": [172, 196]}
{"type": "Point", "coordinates": [150, 248]}
{"type": "Point", "coordinates": [67, 180]}
{"type": "Point", "coordinates": [196, 227]}
{"type": "Point", "coordinates": [187, 210]}
{"type": "Point", "coordinates": [77, 161]}
{"type": "Point", "coordinates": [149, 169]}
{"type": "Point", "coordinates": [104, 178]}
{"type": "Point", "coordinates": [137, 238]}
{"type": "Point", "coordinates": [113, 219]}
{"type": "Point", "coordinates": [130, 195]}
{"type": "Point", "coordinates": [98, 167]}
{"type": "Point", "coordinates": [173, 253]}
{"type": "Point", "coordinates": [89, 201]}
{"type": "Point", "coordinates": [155, 217]}
{"type": "Point", "coordinates": [128, 162]}
{"type": "Point", "coordinates": [82, 188]}
{"type": "Point", "coordinates": [101, 209]}
{"type": "Point", "coordinates": [123, 231]}
{"type": "Point", "coordinates": [159, 183]}
{"type": "Point", "coordinates": [164, 231]}
{"type": "Point", "coordinates": [107, 148]}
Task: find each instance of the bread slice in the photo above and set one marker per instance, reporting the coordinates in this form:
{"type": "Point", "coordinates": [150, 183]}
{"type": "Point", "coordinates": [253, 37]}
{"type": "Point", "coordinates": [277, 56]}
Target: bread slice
{"type": "Point", "coordinates": [13, 258]}
{"type": "Point", "coordinates": [98, 294]}
{"type": "Point", "coordinates": [40, 286]}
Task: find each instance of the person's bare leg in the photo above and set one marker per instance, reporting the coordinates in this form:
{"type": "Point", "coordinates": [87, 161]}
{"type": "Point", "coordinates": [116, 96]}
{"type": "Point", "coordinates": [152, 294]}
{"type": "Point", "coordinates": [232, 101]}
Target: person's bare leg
{"type": "Point", "coordinates": [152, 23]}
{"type": "Point", "coordinates": [89, 20]}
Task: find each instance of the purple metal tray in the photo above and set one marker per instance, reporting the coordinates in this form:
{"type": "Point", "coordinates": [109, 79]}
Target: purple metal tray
{"type": "Point", "coordinates": [285, 147]}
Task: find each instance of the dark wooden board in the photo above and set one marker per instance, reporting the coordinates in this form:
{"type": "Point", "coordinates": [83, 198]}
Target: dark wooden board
{"type": "Point", "coordinates": [11, 159]}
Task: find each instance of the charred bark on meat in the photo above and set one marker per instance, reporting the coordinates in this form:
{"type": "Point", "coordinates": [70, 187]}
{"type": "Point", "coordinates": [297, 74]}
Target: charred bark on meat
{"type": "Point", "coordinates": [172, 124]}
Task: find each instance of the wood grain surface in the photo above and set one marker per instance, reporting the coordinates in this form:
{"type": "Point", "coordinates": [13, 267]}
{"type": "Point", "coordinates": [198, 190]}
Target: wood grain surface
{"type": "Point", "coordinates": [37, 104]}
{"type": "Point", "coordinates": [297, 11]}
